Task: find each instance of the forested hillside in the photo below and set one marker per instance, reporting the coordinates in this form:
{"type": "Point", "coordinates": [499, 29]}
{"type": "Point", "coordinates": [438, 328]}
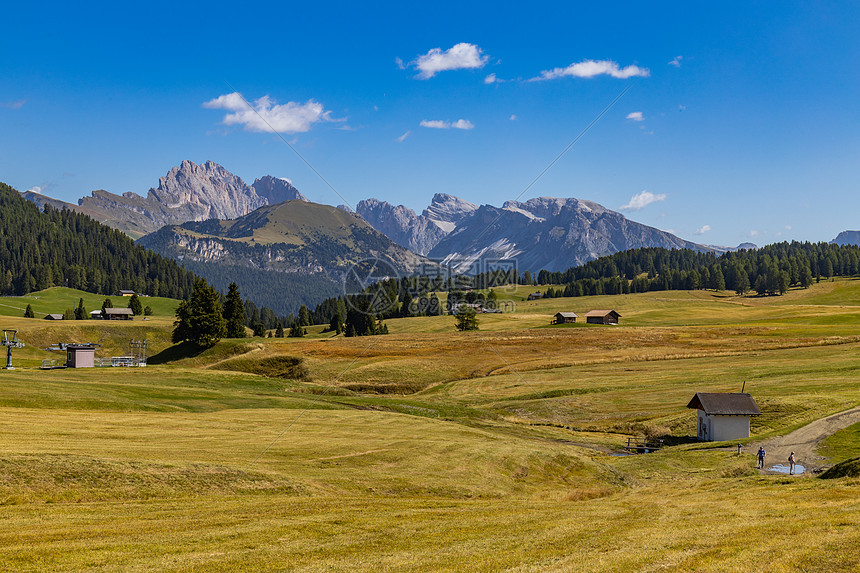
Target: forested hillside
{"type": "Point", "coordinates": [768, 270]}
{"type": "Point", "coordinates": [65, 248]}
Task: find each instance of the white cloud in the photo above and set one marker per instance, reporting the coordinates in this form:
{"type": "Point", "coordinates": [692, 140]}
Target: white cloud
{"type": "Point", "coordinates": [441, 124]}
{"type": "Point", "coordinates": [463, 124]}
{"type": "Point", "coordinates": [635, 116]}
{"type": "Point", "coordinates": [400, 63]}
{"type": "Point", "coordinates": [36, 189]}
{"type": "Point", "coordinates": [513, 117]}
{"type": "Point", "coordinates": [491, 79]}
{"type": "Point", "coordinates": [788, 227]}
{"type": "Point", "coordinates": [642, 200]}
{"type": "Point", "coordinates": [461, 56]}
{"type": "Point", "coordinates": [754, 233]}
{"type": "Point", "coordinates": [682, 107]}
{"type": "Point", "coordinates": [403, 137]}
{"type": "Point", "coordinates": [591, 68]}
{"type": "Point", "coordinates": [290, 181]}
{"type": "Point", "coordinates": [266, 115]}
{"type": "Point", "coordinates": [702, 230]}
{"type": "Point", "coordinates": [676, 61]}
{"type": "Point", "coordinates": [13, 104]}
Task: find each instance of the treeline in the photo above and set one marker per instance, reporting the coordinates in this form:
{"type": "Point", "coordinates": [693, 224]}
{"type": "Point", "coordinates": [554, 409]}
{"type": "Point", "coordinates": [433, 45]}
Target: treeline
{"type": "Point", "coordinates": [770, 270]}
{"type": "Point", "coordinates": [65, 248]}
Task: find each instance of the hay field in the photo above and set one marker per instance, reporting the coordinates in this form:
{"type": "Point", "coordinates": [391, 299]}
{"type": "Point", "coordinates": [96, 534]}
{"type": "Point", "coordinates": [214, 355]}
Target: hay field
{"type": "Point", "coordinates": [429, 449]}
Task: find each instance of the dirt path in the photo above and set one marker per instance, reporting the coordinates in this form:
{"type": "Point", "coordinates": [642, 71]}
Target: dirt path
{"type": "Point", "coordinates": [803, 442]}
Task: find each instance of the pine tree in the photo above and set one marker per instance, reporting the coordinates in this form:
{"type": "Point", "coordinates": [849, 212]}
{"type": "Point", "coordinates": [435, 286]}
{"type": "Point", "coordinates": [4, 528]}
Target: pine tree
{"type": "Point", "coordinates": [304, 316]}
{"type": "Point", "coordinates": [296, 331]}
{"type": "Point", "coordinates": [200, 319]}
{"type": "Point", "coordinates": [259, 329]}
{"type": "Point", "coordinates": [336, 324]}
{"type": "Point", "coordinates": [234, 312]}
{"type": "Point", "coordinates": [147, 311]}
{"type": "Point", "coordinates": [279, 332]}
{"type": "Point", "coordinates": [69, 314]}
{"type": "Point", "coordinates": [28, 312]}
{"type": "Point", "coordinates": [80, 311]}
{"type": "Point", "coordinates": [134, 305]}
{"type": "Point", "coordinates": [467, 320]}
{"type": "Point", "coordinates": [106, 304]}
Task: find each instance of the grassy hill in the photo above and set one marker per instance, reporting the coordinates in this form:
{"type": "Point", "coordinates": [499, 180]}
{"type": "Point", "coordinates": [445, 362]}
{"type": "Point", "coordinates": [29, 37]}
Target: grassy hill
{"type": "Point", "coordinates": [433, 449]}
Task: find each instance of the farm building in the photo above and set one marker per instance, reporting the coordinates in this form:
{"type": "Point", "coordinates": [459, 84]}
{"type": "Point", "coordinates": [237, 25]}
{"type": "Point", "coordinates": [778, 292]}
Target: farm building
{"type": "Point", "coordinates": [602, 317]}
{"type": "Point", "coordinates": [123, 292]}
{"type": "Point", "coordinates": [80, 356]}
{"type": "Point", "coordinates": [723, 416]}
{"type": "Point", "coordinates": [54, 316]}
{"type": "Point", "coordinates": [118, 314]}
{"type": "Point", "coordinates": [564, 318]}
{"type": "Point", "coordinates": [535, 296]}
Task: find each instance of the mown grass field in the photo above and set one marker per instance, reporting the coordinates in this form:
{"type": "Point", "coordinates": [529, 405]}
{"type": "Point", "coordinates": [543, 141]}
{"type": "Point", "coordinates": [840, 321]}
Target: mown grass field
{"type": "Point", "coordinates": [429, 449]}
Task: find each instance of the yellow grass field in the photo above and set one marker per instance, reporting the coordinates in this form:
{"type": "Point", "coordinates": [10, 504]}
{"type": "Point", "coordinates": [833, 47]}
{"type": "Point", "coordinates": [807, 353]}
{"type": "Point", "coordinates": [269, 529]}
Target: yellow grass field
{"type": "Point", "coordinates": [430, 449]}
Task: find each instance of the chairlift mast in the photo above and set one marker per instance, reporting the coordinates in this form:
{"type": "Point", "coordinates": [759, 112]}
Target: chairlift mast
{"type": "Point", "coordinates": [10, 341]}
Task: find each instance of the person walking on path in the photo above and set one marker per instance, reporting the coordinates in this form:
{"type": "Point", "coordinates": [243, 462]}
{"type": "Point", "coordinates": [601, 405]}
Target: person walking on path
{"type": "Point", "coordinates": [760, 455]}
{"type": "Point", "coordinates": [791, 462]}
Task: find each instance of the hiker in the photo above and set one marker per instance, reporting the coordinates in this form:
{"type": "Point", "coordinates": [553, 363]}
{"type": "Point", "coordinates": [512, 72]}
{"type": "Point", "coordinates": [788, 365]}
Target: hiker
{"type": "Point", "coordinates": [760, 457]}
{"type": "Point", "coordinates": [791, 462]}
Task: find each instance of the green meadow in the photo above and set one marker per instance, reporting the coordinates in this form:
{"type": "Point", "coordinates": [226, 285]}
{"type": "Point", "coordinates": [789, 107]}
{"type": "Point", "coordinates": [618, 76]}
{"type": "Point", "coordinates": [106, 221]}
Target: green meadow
{"type": "Point", "coordinates": [431, 449]}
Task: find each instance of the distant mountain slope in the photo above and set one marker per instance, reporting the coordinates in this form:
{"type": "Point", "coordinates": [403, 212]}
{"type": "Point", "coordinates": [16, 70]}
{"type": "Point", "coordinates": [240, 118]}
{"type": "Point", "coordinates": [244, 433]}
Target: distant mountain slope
{"type": "Point", "coordinates": [418, 233]}
{"type": "Point", "coordinates": [847, 238]}
{"type": "Point", "coordinates": [275, 190]}
{"type": "Point", "coordinates": [289, 241]}
{"type": "Point", "coordinates": [61, 247]}
{"type": "Point", "coordinates": [548, 233]}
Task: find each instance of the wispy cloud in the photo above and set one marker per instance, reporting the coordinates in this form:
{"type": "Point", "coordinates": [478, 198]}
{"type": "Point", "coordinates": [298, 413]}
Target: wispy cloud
{"type": "Point", "coordinates": [676, 61]}
{"type": "Point", "coordinates": [266, 115]}
{"type": "Point", "coordinates": [13, 104]}
{"type": "Point", "coordinates": [702, 230]}
{"type": "Point", "coordinates": [403, 137]}
{"type": "Point", "coordinates": [37, 189]}
{"type": "Point", "coordinates": [513, 117]}
{"type": "Point", "coordinates": [642, 200]}
{"type": "Point", "coordinates": [442, 124]}
{"type": "Point", "coordinates": [591, 68]}
{"type": "Point", "coordinates": [493, 79]}
{"type": "Point", "coordinates": [459, 57]}
{"type": "Point", "coordinates": [636, 116]}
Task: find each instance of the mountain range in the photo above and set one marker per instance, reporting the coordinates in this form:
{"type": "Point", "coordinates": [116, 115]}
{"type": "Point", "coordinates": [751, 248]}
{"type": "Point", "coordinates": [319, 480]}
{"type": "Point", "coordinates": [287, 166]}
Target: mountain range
{"type": "Point", "coordinates": [211, 220]}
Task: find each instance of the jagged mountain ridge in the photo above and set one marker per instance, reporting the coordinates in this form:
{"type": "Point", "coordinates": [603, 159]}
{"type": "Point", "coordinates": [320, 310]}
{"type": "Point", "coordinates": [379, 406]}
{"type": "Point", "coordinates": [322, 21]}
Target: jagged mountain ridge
{"type": "Point", "coordinates": [548, 233]}
{"type": "Point", "coordinates": [188, 192]}
{"type": "Point", "coordinates": [418, 233]}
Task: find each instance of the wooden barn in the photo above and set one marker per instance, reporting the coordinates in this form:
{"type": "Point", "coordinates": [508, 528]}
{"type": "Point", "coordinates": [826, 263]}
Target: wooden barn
{"type": "Point", "coordinates": [54, 316]}
{"type": "Point", "coordinates": [723, 416]}
{"type": "Point", "coordinates": [564, 318]}
{"type": "Point", "coordinates": [80, 356]}
{"type": "Point", "coordinates": [602, 317]}
{"type": "Point", "coordinates": [118, 314]}
{"type": "Point", "coordinates": [536, 296]}
{"type": "Point", "coordinates": [124, 292]}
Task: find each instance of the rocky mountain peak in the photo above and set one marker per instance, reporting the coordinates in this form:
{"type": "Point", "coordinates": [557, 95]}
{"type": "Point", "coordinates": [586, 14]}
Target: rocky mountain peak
{"type": "Point", "coordinates": [446, 211]}
{"type": "Point", "coordinates": [208, 190]}
{"type": "Point", "coordinates": [276, 189]}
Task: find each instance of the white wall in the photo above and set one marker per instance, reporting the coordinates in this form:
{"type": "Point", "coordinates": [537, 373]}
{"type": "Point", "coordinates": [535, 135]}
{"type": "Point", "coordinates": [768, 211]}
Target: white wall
{"type": "Point", "coordinates": [721, 428]}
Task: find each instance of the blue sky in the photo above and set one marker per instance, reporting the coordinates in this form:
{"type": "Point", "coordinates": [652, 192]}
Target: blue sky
{"type": "Point", "coordinates": [740, 122]}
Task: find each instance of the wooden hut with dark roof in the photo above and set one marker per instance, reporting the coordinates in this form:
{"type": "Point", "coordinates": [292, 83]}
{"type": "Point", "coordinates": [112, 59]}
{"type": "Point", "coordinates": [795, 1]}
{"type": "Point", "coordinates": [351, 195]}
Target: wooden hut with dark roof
{"type": "Point", "coordinates": [723, 416]}
{"type": "Point", "coordinates": [602, 317]}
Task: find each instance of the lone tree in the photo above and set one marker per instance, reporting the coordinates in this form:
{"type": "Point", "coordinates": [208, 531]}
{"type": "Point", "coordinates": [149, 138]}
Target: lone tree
{"type": "Point", "coordinates": [234, 313]}
{"type": "Point", "coordinates": [81, 311]}
{"type": "Point", "coordinates": [279, 331]}
{"type": "Point", "coordinates": [28, 312]}
{"type": "Point", "coordinates": [106, 304]}
{"type": "Point", "coordinates": [134, 305]}
{"type": "Point", "coordinates": [467, 319]}
{"type": "Point", "coordinates": [199, 319]}
{"type": "Point", "coordinates": [296, 331]}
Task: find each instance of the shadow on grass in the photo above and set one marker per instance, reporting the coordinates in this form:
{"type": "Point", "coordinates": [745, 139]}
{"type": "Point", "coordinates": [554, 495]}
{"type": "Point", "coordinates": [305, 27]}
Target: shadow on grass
{"type": "Point", "coordinates": [678, 440]}
{"type": "Point", "coordinates": [179, 351]}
